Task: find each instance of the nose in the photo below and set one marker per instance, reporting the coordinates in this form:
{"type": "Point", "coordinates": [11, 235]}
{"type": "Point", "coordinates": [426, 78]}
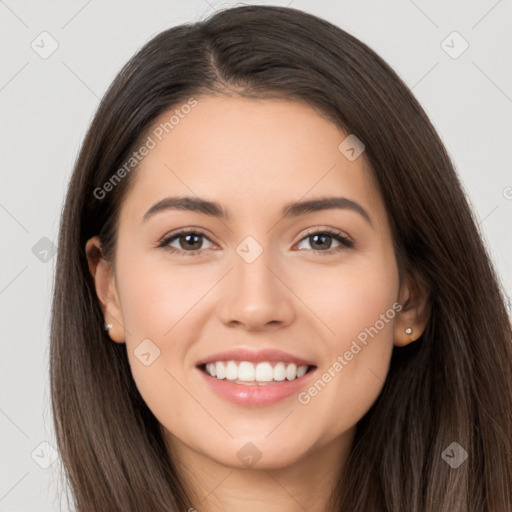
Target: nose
{"type": "Point", "coordinates": [256, 296]}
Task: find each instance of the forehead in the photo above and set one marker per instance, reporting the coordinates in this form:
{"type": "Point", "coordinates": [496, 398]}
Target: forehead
{"type": "Point", "coordinates": [248, 154]}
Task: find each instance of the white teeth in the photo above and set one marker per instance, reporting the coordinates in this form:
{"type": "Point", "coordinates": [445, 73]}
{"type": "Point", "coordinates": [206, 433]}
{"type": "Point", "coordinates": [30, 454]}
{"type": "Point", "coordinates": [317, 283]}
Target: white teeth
{"type": "Point", "coordinates": [291, 371]}
{"type": "Point", "coordinates": [264, 372]}
{"type": "Point", "coordinates": [210, 368]}
{"type": "Point", "coordinates": [279, 372]}
{"type": "Point", "coordinates": [220, 370]}
{"type": "Point", "coordinates": [301, 370]}
{"type": "Point", "coordinates": [246, 371]}
{"type": "Point", "coordinates": [231, 370]}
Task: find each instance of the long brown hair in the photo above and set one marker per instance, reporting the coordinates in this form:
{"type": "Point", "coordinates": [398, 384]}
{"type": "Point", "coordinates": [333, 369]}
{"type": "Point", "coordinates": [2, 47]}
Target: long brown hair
{"type": "Point", "coordinates": [454, 384]}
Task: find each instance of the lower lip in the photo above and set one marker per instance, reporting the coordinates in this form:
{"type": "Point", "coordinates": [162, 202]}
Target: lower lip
{"type": "Point", "coordinates": [256, 395]}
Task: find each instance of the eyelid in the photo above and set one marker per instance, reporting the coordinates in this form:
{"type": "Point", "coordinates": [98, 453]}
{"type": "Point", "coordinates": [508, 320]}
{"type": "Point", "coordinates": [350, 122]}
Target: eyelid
{"type": "Point", "coordinates": [344, 240]}
{"type": "Point", "coordinates": [167, 238]}
{"type": "Point", "coordinates": [327, 230]}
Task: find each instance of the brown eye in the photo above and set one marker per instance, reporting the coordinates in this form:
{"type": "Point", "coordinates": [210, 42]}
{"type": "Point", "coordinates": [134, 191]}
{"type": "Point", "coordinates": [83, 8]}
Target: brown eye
{"type": "Point", "coordinates": [321, 241]}
{"type": "Point", "coordinates": [185, 242]}
{"type": "Point", "coordinates": [190, 241]}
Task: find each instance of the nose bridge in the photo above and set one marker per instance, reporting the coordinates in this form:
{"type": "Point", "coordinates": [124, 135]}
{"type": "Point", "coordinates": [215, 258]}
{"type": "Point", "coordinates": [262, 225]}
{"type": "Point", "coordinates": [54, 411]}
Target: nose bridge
{"type": "Point", "coordinates": [251, 270]}
{"type": "Point", "coordinates": [256, 296]}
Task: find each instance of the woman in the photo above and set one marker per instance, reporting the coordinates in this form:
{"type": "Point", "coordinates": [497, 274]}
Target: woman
{"type": "Point", "coordinates": [271, 292]}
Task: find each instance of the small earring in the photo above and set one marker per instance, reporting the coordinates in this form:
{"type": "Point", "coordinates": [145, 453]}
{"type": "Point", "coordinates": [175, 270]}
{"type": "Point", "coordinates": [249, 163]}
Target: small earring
{"type": "Point", "coordinates": [108, 326]}
{"type": "Point", "coordinates": [408, 330]}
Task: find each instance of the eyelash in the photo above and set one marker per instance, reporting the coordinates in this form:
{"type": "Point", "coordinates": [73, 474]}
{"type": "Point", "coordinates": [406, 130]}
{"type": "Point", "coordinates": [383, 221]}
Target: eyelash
{"type": "Point", "coordinates": [345, 242]}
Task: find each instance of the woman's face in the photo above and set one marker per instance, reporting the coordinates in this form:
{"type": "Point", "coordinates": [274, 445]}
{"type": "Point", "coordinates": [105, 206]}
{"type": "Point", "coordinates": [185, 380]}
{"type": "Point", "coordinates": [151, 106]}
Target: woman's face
{"type": "Point", "coordinates": [264, 282]}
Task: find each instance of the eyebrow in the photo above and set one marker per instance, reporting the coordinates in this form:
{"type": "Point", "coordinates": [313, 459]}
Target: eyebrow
{"type": "Point", "coordinates": [294, 209]}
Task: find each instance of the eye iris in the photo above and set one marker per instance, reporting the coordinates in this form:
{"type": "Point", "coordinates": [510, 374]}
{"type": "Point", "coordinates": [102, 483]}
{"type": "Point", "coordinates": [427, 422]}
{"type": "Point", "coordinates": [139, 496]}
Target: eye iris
{"type": "Point", "coordinates": [188, 239]}
{"type": "Point", "coordinates": [316, 237]}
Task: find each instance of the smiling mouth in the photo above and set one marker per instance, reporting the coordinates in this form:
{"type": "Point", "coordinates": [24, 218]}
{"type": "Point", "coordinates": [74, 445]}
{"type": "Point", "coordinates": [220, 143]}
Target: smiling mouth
{"type": "Point", "coordinates": [259, 374]}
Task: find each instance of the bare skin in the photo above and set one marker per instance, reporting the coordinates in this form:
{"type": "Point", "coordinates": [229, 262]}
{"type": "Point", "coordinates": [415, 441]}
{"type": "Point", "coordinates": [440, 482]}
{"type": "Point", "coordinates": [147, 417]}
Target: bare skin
{"type": "Point", "coordinates": [308, 297]}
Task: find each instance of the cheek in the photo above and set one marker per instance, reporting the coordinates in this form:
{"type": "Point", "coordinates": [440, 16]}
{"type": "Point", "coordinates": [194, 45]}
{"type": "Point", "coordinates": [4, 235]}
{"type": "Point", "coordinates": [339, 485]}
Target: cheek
{"type": "Point", "coordinates": [152, 310]}
{"type": "Point", "coordinates": [349, 298]}
{"type": "Point", "coordinates": [155, 297]}
{"type": "Point", "coordinates": [357, 306]}
{"type": "Point", "coordinates": [150, 303]}
{"type": "Point", "coordinates": [160, 305]}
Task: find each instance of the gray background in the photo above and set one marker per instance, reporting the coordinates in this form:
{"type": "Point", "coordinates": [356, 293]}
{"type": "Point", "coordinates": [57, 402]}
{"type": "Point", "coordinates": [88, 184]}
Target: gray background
{"type": "Point", "coordinates": [47, 104]}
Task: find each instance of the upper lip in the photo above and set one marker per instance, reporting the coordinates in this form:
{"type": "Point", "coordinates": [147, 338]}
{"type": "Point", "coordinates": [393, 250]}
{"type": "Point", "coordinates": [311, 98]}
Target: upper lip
{"type": "Point", "coordinates": [254, 356]}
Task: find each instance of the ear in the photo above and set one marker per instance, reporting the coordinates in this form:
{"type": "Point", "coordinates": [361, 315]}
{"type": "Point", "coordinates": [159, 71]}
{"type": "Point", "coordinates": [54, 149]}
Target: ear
{"type": "Point", "coordinates": [413, 317]}
{"type": "Point", "coordinates": [106, 288]}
